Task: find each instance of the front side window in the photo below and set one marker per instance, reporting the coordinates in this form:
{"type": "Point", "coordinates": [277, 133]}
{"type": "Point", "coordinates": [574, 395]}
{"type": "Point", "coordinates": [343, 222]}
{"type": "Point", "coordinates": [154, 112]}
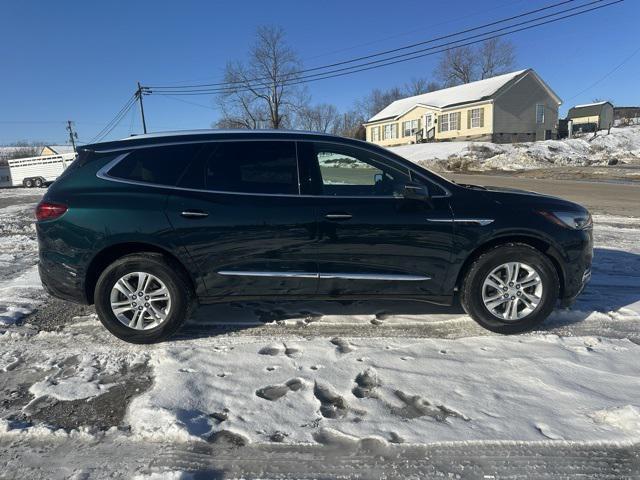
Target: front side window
{"type": "Point", "coordinates": [353, 172]}
{"type": "Point", "coordinates": [156, 165]}
{"type": "Point", "coordinates": [539, 113]}
{"type": "Point", "coordinates": [269, 167]}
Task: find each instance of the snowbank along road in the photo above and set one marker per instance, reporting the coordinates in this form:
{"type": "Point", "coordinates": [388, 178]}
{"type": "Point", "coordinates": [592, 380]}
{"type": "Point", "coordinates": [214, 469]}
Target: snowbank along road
{"type": "Point", "coordinates": [328, 389]}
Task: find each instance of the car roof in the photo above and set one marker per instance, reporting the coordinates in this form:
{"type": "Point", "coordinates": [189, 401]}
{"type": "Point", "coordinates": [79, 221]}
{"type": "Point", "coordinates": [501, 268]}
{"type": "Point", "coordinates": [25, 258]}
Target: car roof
{"type": "Point", "coordinates": [188, 136]}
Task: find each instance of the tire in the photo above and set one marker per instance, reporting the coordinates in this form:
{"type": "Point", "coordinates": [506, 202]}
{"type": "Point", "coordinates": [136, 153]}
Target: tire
{"type": "Point", "coordinates": [477, 297]}
{"type": "Point", "coordinates": [149, 330]}
{"type": "Point", "coordinates": [28, 183]}
{"type": "Point", "coordinates": [38, 182]}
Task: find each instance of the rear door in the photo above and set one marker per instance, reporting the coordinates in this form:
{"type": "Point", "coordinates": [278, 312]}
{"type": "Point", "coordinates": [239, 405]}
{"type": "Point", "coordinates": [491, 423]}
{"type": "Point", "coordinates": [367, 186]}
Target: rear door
{"type": "Point", "coordinates": [238, 212]}
{"type": "Point", "coordinates": [372, 240]}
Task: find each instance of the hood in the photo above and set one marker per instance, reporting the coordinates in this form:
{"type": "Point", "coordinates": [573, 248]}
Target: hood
{"type": "Point", "coordinates": [517, 198]}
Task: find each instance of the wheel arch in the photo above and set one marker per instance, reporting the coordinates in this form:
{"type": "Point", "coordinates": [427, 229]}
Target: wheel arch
{"type": "Point", "coordinates": [539, 244]}
{"type": "Point", "coordinates": [111, 253]}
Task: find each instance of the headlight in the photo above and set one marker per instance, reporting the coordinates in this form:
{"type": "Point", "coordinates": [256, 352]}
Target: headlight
{"type": "Point", "coordinates": [574, 220]}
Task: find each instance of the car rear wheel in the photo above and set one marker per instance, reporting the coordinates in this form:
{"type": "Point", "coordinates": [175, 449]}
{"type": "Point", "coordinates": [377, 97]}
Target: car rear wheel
{"type": "Point", "coordinates": [510, 289]}
{"type": "Point", "coordinates": [142, 298]}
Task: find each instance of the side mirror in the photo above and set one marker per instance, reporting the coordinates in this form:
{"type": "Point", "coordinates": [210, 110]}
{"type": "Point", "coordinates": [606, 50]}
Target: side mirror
{"type": "Point", "coordinates": [415, 191]}
{"type": "Point", "coordinates": [377, 178]}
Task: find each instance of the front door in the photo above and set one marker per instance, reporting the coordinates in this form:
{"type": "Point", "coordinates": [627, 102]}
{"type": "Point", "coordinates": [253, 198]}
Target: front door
{"type": "Point", "coordinates": [238, 213]}
{"type": "Point", "coordinates": [372, 240]}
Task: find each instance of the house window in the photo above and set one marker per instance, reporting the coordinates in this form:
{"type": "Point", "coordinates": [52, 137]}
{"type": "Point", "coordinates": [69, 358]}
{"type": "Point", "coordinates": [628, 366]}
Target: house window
{"type": "Point", "coordinates": [410, 127]}
{"type": "Point", "coordinates": [375, 134]}
{"type": "Point", "coordinates": [449, 121]}
{"type": "Point", "coordinates": [390, 131]}
{"type": "Point", "coordinates": [444, 123]}
{"type": "Point", "coordinates": [476, 118]}
{"type": "Point", "coordinates": [539, 113]}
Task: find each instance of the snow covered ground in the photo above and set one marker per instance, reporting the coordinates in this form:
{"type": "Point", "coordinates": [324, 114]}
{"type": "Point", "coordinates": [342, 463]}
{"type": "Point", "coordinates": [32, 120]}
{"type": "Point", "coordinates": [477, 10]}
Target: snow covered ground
{"type": "Point", "coordinates": [370, 378]}
{"type": "Point", "coordinates": [621, 146]}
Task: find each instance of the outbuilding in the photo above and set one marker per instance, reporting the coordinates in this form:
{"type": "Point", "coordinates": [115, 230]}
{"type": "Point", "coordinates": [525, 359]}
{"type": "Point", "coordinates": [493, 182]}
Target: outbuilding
{"type": "Point", "coordinates": [591, 117]}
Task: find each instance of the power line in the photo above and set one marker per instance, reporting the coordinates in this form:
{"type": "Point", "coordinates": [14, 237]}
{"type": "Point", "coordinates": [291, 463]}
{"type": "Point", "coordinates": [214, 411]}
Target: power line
{"type": "Point", "coordinates": [172, 97]}
{"type": "Point", "coordinates": [606, 75]}
{"type": "Point", "coordinates": [114, 121]}
{"type": "Point", "coordinates": [400, 58]}
{"type": "Point", "coordinates": [394, 50]}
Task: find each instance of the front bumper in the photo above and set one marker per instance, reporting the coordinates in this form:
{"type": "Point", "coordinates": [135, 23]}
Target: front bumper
{"type": "Point", "coordinates": [567, 301]}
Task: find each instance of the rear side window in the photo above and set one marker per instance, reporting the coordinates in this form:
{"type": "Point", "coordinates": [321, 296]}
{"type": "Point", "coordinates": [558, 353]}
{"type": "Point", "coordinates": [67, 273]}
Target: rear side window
{"type": "Point", "coordinates": [157, 165]}
{"type": "Point", "coordinates": [245, 167]}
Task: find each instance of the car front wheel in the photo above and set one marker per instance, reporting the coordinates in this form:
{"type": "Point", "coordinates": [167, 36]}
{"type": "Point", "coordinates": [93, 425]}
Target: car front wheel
{"type": "Point", "coordinates": [142, 298]}
{"type": "Point", "coordinates": [510, 289]}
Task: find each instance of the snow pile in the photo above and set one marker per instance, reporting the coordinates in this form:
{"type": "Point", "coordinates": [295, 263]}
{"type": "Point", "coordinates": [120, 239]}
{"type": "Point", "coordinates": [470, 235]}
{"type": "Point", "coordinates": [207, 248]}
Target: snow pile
{"type": "Point", "coordinates": [621, 146]}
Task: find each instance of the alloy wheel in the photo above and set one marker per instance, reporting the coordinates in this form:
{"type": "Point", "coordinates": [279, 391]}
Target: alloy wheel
{"type": "Point", "coordinates": [512, 291]}
{"type": "Point", "coordinates": [140, 301]}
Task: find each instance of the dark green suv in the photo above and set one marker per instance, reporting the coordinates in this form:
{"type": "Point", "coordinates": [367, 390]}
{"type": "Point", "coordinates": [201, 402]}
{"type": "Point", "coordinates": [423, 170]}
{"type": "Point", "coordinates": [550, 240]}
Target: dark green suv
{"type": "Point", "coordinates": [149, 226]}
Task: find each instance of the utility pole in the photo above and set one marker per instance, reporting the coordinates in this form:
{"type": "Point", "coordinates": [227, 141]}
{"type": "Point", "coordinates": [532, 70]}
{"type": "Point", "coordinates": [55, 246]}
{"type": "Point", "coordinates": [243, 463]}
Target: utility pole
{"type": "Point", "coordinates": [139, 95]}
{"type": "Point", "coordinates": [73, 136]}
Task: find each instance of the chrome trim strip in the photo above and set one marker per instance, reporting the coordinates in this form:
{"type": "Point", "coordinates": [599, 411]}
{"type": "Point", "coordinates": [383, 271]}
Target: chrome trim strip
{"type": "Point", "coordinates": [471, 221]}
{"type": "Point", "coordinates": [189, 214]}
{"type": "Point", "coordinates": [375, 276]}
{"type": "Point", "coordinates": [338, 216]}
{"type": "Point", "coordinates": [326, 276]}
{"type": "Point", "coordinates": [250, 273]}
{"type": "Point", "coordinates": [102, 173]}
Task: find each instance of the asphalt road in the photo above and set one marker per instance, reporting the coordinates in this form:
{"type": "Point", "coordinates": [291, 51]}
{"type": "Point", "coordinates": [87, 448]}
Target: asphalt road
{"type": "Point", "coordinates": [598, 197]}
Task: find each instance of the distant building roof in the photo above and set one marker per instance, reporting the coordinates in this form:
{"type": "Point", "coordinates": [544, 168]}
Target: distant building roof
{"type": "Point", "coordinates": [59, 149]}
{"type": "Point", "coordinates": [467, 93]}
{"type": "Point", "coordinates": [587, 110]}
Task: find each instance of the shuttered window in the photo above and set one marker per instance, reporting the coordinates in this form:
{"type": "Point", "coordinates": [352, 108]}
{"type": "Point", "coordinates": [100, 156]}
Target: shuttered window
{"type": "Point", "coordinates": [410, 127]}
{"type": "Point", "coordinates": [390, 131]}
{"type": "Point", "coordinates": [449, 121]}
{"type": "Point", "coordinates": [375, 134]}
{"type": "Point", "coordinates": [475, 118]}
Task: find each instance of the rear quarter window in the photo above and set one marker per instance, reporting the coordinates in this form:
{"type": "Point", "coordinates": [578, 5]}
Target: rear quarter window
{"type": "Point", "coordinates": [269, 167]}
{"type": "Point", "coordinates": [156, 165]}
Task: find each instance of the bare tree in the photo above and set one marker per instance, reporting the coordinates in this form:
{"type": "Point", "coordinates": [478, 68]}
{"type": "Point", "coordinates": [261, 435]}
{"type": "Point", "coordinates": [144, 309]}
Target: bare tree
{"type": "Point", "coordinates": [457, 66]}
{"type": "Point", "coordinates": [319, 118]}
{"type": "Point", "coordinates": [377, 100]}
{"type": "Point", "coordinates": [260, 94]}
{"type": "Point", "coordinates": [350, 124]}
{"type": "Point", "coordinates": [418, 86]}
{"type": "Point", "coordinates": [467, 64]}
{"type": "Point", "coordinates": [495, 57]}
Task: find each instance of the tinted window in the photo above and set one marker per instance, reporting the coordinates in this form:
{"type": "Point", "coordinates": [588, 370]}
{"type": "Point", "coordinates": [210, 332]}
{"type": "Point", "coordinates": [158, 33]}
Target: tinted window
{"type": "Point", "coordinates": [251, 167]}
{"type": "Point", "coordinates": [354, 172]}
{"type": "Point", "coordinates": [159, 165]}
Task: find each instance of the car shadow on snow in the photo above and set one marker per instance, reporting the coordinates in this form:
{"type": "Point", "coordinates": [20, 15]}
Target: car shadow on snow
{"type": "Point", "coordinates": [615, 284]}
{"type": "Point", "coordinates": [301, 316]}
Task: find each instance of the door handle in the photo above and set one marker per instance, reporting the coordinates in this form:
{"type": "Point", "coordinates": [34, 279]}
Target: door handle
{"type": "Point", "coordinates": [338, 216]}
{"type": "Point", "coordinates": [194, 214]}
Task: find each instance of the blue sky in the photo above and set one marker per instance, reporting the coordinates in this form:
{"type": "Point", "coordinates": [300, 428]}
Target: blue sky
{"type": "Point", "coordinates": [80, 60]}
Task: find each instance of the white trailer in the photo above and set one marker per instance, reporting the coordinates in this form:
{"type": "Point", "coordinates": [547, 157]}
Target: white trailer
{"type": "Point", "coordinates": [34, 171]}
